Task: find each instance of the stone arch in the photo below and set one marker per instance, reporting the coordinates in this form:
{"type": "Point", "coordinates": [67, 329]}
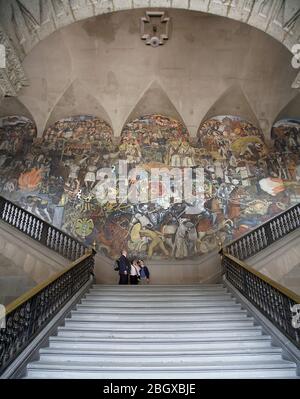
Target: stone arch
{"type": "Point", "coordinates": [77, 100]}
{"type": "Point", "coordinates": [291, 110]}
{"type": "Point", "coordinates": [11, 106]}
{"type": "Point", "coordinates": [151, 134]}
{"type": "Point", "coordinates": [154, 101]}
{"type": "Point", "coordinates": [232, 102]}
{"type": "Point", "coordinates": [33, 22]}
{"type": "Point", "coordinates": [285, 136]}
{"type": "Point", "coordinates": [225, 134]}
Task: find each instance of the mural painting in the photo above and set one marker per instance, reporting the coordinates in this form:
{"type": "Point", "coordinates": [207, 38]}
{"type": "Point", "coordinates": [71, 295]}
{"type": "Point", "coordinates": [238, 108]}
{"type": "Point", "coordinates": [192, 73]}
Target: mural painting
{"type": "Point", "coordinates": [57, 177]}
{"type": "Point", "coordinates": [248, 182]}
{"type": "Point", "coordinates": [286, 137]}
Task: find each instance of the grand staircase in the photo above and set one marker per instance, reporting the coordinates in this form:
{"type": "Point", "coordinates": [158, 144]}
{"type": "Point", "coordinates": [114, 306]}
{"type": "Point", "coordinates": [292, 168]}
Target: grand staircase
{"type": "Point", "coordinates": [160, 332]}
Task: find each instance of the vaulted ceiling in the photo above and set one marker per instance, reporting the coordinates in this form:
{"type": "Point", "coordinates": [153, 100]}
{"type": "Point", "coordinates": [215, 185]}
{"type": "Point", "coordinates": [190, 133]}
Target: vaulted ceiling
{"type": "Point", "coordinates": [210, 65]}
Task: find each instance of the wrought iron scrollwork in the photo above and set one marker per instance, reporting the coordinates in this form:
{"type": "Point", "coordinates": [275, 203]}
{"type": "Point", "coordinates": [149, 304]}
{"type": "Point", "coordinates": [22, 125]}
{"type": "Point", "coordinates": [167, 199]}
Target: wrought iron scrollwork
{"type": "Point", "coordinates": [275, 302]}
{"type": "Point", "coordinates": [40, 231]}
{"type": "Point", "coordinates": [266, 234]}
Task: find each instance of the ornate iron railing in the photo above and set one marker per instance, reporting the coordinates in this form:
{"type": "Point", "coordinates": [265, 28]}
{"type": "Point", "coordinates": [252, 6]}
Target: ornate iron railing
{"type": "Point", "coordinates": [271, 298]}
{"type": "Point", "coordinates": [30, 313]}
{"type": "Point", "coordinates": [266, 234]}
{"type": "Point", "coordinates": [40, 230]}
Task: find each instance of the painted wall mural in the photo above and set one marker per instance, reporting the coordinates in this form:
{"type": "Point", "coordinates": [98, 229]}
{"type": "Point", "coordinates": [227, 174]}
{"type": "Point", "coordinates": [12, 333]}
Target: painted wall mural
{"type": "Point", "coordinates": [57, 177]}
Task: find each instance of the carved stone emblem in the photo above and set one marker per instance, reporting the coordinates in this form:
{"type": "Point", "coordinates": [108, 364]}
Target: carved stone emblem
{"type": "Point", "coordinates": [155, 28]}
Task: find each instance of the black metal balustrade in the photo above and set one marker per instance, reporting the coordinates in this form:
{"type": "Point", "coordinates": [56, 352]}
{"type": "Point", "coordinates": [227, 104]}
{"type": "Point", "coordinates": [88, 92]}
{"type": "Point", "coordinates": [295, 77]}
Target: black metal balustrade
{"type": "Point", "coordinates": [40, 230]}
{"type": "Point", "coordinates": [266, 234]}
{"type": "Point", "coordinates": [271, 298]}
{"type": "Point", "coordinates": [29, 314]}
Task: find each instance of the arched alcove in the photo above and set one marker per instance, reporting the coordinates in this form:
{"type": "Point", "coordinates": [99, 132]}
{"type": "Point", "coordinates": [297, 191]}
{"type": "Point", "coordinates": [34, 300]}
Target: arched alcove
{"type": "Point", "coordinates": [233, 102]}
{"type": "Point", "coordinates": [286, 140]}
{"type": "Point", "coordinates": [291, 110]}
{"type": "Point", "coordinates": [154, 101]}
{"type": "Point", "coordinates": [11, 106]}
{"type": "Point", "coordinates": [187, 70]}
{"type": "Point", "coordinates": [153, 133]}
{"type": "Point", "coordinates": [77, 99]}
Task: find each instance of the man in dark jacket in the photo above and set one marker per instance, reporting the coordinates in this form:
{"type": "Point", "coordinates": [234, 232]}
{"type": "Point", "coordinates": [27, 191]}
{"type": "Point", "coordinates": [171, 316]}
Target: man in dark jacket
{"type": "Point", "coordinates": [124, 268]}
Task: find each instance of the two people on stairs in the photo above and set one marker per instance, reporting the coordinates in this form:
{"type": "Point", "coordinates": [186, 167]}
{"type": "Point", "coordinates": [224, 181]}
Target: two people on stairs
{"type": "Point", "coordinates": [136, 270]}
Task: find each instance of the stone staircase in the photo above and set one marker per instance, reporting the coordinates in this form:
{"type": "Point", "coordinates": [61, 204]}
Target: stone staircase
{"type": "Point", "coordinates": [161, 332]}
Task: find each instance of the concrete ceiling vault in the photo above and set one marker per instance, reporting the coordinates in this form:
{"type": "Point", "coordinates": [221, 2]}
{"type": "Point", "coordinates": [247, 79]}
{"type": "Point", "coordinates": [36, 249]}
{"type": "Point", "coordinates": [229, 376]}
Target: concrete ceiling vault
{"type": "Point", "coordinates": [11, 106]}
{"type": "Point", "coordinates": [29, 21]}
{"type": "Point", "coordinates": [291, 110]}
{"type": "Point", "coordinates": [26, 22]}
{"type": "Point", "coordinates": [91, 51]}
{"type": "Point", "coordinates": [233, 102]}
{"type": "Point", "coordinates": [154, 101]}
{"type": "Point", "coordinates": [77, 100]}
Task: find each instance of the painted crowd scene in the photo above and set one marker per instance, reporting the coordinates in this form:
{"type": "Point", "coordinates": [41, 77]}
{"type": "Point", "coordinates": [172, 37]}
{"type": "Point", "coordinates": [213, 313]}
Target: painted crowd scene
{"type": "Point", "coordinates": [57, 177]}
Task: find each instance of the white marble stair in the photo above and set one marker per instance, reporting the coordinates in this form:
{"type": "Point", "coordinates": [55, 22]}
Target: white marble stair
{"type": "Point", "coordinates": [160, 332]}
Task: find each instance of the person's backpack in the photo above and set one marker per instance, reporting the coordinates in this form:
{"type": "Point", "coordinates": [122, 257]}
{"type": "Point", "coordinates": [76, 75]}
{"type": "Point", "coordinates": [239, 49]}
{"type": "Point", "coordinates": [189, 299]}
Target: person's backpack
{"type": "Point", "coordinates": [117, 265]}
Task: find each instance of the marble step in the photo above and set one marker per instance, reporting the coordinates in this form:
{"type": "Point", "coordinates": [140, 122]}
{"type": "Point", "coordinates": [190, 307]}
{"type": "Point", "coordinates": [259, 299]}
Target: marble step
{"type": "Point", "coordinates": [171, 302]}
{"type": "Point", "coordinates": [143, 317]}
{"type": "Point", "coordinates": [225, 333]}
{"type": "Point", "coordinates": [94, 308]}
{"type": "Point", "coordinates": [144, 346]}
{"type": "Point", "coordinates": [145, 358]}
{"type": "Point", "coordinates": [127, 296]}
{"type": "Point", "coordinates": [91, 323]}
{"type": "Point", "coordinates": [255, 369]}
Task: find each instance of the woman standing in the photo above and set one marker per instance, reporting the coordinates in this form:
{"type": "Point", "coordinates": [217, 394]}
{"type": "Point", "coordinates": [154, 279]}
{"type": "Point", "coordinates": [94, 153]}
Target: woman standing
{"type": "Point", "coordinates": [134, 272]}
